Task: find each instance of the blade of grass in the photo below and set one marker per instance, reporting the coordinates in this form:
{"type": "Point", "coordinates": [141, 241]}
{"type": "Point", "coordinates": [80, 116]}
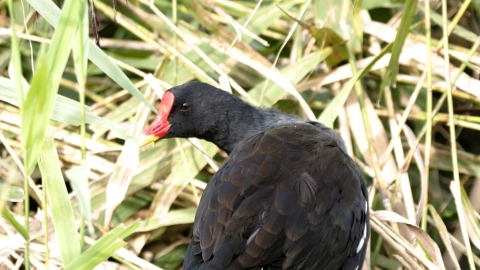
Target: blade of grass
{"type": "Point", "coordinates": [51, 13]}
{"type": "Point", "coordinates": [328, 116]}
{"type": "Point", "coordinates": [455, 185]}
{"type": "Point", "coordinates": [176, 181]}
{"type": "Point", "coordinates": [294, 73]}
{"type": "Point", "coordinates": [274, 75]}
{"type": "Point", "coordinates": [41, 96]}
{"type": "Point", "coordinates": [78, 176]}
{"type": "Point", "coordinates": [403, 30]}
{"type": "Point", "coordinates": [9, 217]}
{"type": "Point", "coordinates": [442, 229]}
{"type": "Point", "coordinates": [471, 217]}
{"type": "Point", "coordinates": [428, 244]}
{"type": "Point", "coordinates": [80, 63]}
{"type": "Point", "coordinates": [40, 99]}
{"type": "Point", "coordinates": [285, 41]}
{"type": "Point", "coordinates": [104, 248]}
{"type": "Point", "coordinates": [59, 202]}
{"type": "Point", "coordinates": [127, 163]}
{"type": "Point", "coordinates": [17, 65]}
{"type": "Point", "coordinates": [149, 37]}
{"type": "Point", "coordinates": [173, 217]}
{"type": "Point", "coordinates": [458, 30]}
{"type": "Point", "coordinates": [428, 124]}
{"type": "Point", "coordinates": [65, 110]}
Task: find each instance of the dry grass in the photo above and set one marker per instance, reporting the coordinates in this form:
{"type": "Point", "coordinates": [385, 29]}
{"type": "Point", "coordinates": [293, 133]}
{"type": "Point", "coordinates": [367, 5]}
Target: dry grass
{"type": "Point", "coordinates": [405, 100]}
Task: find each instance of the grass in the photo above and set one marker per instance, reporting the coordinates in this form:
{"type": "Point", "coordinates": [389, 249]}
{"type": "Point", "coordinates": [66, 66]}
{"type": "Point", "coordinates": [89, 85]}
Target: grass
{"type": "Point", "coordinates": [404, 98]}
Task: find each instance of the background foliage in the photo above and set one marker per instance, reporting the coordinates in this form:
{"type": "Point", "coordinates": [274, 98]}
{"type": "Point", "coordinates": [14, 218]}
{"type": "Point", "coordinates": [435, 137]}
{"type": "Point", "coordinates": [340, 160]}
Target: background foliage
{"type": "Point", "coordinates": [404, 98]}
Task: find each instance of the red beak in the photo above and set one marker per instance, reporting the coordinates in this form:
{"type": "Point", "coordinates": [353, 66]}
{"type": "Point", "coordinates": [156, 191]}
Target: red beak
{"type": "Point", "coordinates": [160, 125]}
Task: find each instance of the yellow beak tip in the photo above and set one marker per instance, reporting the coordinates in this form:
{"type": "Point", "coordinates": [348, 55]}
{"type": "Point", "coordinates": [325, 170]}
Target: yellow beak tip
{"type": "Point", "coordinates": [146, 139]}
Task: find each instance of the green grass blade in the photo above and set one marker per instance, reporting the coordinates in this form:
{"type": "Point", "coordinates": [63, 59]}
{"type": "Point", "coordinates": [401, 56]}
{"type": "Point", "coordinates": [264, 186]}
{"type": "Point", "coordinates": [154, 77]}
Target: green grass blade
{"type": "Point", "coordinates": [104, 248]}
{"type": "Point", "coordinates": [127, 162]}
{"type": "Point", "coordinates": [103, 61]}
{"type": "Point", "coordinates": [443, 231]}
{"type": "Point", "coordinates": [180, 216]}
{"type": "Point", "coordinates": [35, 117]}
{"type": "Point", "coordinates": [459, 30]}
{"type": "Point", "coordinates": [330, 113]}
{"type": "Point", "coordinates": [65, 110]}
{"type": "Point", "coordinates": [403, 30]}
{"type": "Point", "coordinates": [294, 73]}
{"type": "Point", "coordinates": [45, 83]}
{"type": "Point", "coordinates": [80, 60]}
{"type": "Point", "coordinates": [9, 217]}
{"type": "Point", "coordinates": [51, 13]}
{"type": "Point", "coordinates": [17, 65]}
{"type": "Point", "coordinates": [59, 202]}
{"type": "Point", "coordinates": [332, 13]}
{"type": "Point", "coordinates": [78, 176]}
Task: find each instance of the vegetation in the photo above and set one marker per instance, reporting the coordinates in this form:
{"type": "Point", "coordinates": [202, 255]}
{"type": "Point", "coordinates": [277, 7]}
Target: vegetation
{"type": "Point", "coordinates": [382, 73]}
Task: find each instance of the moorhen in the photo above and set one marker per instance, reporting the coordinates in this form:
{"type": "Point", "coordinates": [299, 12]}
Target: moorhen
{"type": "Point", "coordinates": [288, 196]}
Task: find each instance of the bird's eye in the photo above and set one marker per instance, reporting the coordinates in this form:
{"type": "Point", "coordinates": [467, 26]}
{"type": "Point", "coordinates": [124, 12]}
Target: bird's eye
{"type": "Point", "coordinates": [185, 106]}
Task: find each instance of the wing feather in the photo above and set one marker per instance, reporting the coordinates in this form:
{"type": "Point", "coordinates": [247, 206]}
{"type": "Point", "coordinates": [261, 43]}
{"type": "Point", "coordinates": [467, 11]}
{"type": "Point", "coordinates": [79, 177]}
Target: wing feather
{"type": "Point", "coordinates": [286, 198]}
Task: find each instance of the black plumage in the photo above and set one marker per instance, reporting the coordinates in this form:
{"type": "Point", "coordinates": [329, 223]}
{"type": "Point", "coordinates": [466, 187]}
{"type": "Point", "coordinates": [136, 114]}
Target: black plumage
{"type": "Point", "coordinates": [288, 196]}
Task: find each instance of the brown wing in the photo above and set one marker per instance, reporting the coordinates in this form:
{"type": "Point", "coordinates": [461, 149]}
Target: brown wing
{"type": "Point", "coordinates": [287, 198]}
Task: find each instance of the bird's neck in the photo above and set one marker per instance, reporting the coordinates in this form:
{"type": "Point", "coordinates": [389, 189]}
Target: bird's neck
{"type": "Point", "coordinates": [242, 122]}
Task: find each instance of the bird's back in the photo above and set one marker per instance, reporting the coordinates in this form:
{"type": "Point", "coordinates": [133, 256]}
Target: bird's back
{"type": "Point", "coordinates": [286, 198]}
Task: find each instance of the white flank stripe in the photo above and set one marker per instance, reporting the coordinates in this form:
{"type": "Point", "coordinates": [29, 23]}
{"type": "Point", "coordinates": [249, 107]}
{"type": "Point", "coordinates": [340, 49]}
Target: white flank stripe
{"type": "Point", "coordinates": [252, 236]}
{"type": "Point", "coordinates": [362, 241]}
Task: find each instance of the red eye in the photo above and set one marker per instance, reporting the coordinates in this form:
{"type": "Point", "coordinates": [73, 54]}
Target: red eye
{"type": "Point", "coordinates": [185, 106]}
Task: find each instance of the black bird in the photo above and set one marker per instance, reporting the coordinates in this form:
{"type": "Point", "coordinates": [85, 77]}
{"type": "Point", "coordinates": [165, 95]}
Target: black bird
{"type": "Point", "coordinates": [288, 196]}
